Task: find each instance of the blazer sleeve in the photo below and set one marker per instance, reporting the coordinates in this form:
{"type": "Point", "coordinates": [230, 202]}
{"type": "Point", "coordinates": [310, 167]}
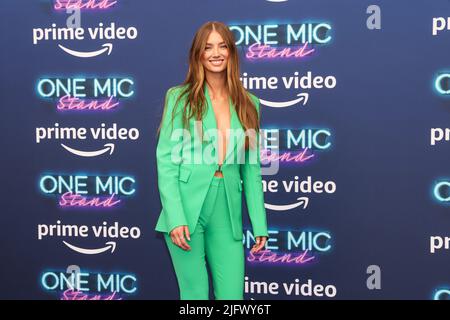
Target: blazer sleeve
{"type": "Point", "coordinates": [253, 189]}
{"type": "Point", "coordinates": [168, 160]}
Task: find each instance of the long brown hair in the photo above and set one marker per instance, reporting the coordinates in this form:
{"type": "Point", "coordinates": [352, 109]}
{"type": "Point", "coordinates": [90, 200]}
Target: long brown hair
{"type": "Point", "coordinates": [195, 104]}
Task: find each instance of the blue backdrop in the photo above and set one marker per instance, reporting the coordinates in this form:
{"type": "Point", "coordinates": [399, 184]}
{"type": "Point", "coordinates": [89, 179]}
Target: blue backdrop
{"type": "Point", "coordinates": [381, 232]}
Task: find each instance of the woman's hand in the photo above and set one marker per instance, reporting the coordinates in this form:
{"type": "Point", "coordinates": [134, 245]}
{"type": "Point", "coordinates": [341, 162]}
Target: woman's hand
{"type": "Point", "coordinates": [178, 238]}
{"type": "Point", "coordinates": [260, 243]}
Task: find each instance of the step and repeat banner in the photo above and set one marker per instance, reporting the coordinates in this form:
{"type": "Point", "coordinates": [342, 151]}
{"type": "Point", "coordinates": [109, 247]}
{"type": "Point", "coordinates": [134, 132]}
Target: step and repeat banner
{"type": "Point", "coordinates": [355, 115]}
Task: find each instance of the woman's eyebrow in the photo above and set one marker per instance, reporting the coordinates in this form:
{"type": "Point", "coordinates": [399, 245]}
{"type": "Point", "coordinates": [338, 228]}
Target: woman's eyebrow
{"type": "Point", "coordinates": [208, 43]}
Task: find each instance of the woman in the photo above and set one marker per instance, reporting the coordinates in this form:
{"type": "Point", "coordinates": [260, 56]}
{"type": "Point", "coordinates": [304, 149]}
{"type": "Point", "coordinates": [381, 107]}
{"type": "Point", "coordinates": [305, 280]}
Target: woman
{"type": "Point", "coordinates": [201, 192]}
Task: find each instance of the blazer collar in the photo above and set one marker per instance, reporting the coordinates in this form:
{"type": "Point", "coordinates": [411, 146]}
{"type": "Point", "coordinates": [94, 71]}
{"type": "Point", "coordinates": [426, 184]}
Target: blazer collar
{"type": "Point", "coordinates": [210, 122]}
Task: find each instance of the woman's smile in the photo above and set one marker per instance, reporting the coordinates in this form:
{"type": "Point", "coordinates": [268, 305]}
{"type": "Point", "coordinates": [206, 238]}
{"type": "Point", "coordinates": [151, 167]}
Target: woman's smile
{"type": "Point", "coordinates": [216, 62]}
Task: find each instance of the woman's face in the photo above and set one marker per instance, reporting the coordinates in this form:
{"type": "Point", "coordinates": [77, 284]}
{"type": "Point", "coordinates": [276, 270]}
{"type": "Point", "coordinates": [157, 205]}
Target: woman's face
{"type": "Point", "coordinates": [215, 56]}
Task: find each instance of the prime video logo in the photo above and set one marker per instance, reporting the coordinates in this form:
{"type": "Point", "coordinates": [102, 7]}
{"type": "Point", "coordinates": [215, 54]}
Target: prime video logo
{"type": "Point", "coordinates": [440, 24]}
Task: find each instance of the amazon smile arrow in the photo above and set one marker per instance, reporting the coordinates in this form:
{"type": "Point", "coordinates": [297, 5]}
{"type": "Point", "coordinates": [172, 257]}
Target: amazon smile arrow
{"type": "Point", "coordinates": [108, 146]}
{"type": "Point", "coordinates": [109, 245]}
{"type": "Point", "coordinates": [302, 201]}
{"type": "Point", "coordinates": [107, 48]}
{"type": "Point", "coordinates": [302, 97]}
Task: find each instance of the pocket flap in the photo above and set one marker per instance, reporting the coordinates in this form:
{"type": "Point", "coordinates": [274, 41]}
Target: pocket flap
{"type": "Point", "coordinates": [184, 174]}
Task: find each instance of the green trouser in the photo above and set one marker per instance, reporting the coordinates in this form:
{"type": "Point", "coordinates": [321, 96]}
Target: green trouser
{"type": "Point", "coordinates": [212, 236]}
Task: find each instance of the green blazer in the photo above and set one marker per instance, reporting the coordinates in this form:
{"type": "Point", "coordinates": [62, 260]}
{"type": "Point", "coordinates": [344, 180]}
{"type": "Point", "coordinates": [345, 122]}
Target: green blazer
{"type": "Point", "coordinates": [183, 183]}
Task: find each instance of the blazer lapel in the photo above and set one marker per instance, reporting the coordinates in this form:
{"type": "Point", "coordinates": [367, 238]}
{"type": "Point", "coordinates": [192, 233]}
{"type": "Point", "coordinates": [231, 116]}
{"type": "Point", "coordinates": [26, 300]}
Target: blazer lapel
{"type": "Point", "coordinates": [209, 122]}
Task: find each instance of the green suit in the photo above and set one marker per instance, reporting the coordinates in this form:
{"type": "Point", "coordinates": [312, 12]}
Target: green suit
{"type": "Point", "coordinates": [183, 184]}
